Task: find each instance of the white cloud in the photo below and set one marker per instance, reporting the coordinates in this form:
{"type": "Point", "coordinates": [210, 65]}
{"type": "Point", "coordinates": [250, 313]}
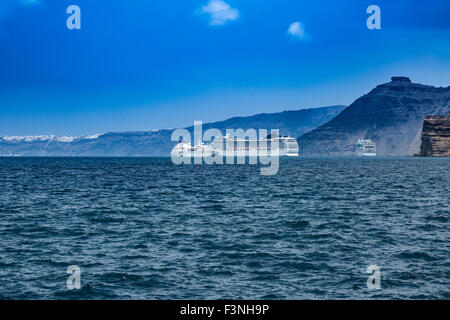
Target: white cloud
{"type": "Point", "coordinates": [220, 12]}
{"type": "Point", "coordinates": [297, 30]}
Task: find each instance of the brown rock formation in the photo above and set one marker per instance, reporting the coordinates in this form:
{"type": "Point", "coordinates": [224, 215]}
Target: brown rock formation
{"type": "Point", "coordinates": [435, 137]}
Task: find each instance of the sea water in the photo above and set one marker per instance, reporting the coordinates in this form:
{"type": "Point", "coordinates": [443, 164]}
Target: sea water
{"type": "Point", "coordinates": [144, 228]}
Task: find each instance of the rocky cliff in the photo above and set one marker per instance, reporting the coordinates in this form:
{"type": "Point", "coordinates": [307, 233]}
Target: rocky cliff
{"type": "Point", "coordinates": [391, 115]}
{"type": "Point", "coordinates": [435, 137]}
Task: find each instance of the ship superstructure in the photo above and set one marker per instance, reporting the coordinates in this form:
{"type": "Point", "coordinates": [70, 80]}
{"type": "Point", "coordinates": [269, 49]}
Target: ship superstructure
{"type": "Point", "coordinates": [366, 148]}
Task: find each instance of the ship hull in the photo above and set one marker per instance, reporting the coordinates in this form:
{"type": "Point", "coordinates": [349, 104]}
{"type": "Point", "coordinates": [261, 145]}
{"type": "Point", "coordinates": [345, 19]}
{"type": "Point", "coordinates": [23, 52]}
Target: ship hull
{"type": "Point", "coordinates": [365, 154]}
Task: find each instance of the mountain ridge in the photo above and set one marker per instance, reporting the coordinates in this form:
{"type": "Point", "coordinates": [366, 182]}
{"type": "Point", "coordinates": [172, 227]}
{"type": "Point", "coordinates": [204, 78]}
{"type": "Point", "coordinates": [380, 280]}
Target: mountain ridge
{"type": "Point", "coordinates": [391, 115]}
{"type": "Point", "coordinates": [158, 142]}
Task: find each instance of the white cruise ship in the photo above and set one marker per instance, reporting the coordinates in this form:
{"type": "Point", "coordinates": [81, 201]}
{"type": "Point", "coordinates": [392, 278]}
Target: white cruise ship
{"type": "Point", "coordinates": [232, 147]}
{"type": "Point", "coordinates": [365, 148]}
{"type": "Point", "coordinates": [185, 150]}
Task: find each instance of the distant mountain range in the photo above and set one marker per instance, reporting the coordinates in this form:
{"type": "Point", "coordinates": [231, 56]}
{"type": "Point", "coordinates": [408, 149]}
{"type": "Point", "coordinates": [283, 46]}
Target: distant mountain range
{"type": "Point", "coordinates": [158, 142]}
{"type": "Point", "coordinates": [392, 115]}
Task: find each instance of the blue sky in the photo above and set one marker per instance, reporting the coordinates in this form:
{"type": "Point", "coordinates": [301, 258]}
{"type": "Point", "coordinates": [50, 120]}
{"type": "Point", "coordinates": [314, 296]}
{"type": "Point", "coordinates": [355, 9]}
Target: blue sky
{"type": "Point", "coordinates": [140, 65]}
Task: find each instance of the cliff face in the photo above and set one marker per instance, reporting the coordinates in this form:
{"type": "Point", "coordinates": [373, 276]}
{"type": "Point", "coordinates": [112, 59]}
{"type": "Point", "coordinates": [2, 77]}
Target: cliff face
{"type": "Point", "coordinates": [391, 115]}
{"type": "Point", "coordinates": [435, 137]}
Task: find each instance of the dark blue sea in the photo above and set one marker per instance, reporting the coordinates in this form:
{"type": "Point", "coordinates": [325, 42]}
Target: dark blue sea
{"type": "Point", "coordinates": [143, 228]}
